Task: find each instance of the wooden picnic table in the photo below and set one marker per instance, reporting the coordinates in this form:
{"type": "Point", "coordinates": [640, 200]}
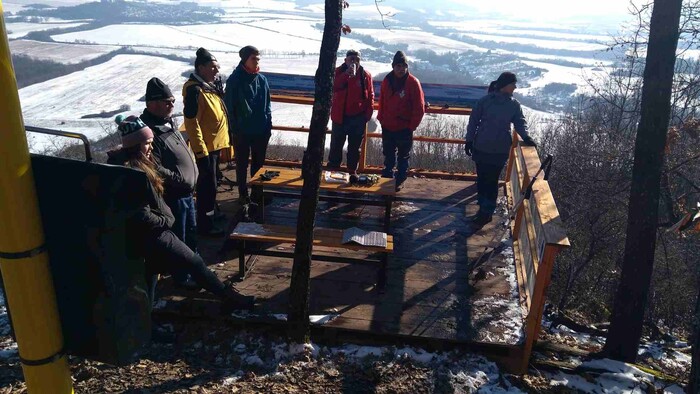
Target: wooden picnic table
{"type": "Point", "coordinates": [290, 178]}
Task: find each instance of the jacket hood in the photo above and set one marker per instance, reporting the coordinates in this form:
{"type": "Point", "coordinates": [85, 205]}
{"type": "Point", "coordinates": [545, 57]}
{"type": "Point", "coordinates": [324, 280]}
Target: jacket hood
{"type": "Point", "coordinates": [118, 156]}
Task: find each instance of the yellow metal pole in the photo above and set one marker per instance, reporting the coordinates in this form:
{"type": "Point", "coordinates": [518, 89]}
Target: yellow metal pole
{"type": "Point", "coordinates": [23, 258]}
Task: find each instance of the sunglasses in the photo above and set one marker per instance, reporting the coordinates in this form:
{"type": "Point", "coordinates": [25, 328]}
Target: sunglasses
{"type": "Point", "coordinates": [168, 101]}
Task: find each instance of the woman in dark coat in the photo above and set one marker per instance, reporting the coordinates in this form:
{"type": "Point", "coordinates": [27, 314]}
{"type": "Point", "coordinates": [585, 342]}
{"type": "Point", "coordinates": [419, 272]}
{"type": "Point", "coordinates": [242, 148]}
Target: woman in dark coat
{"type": "Point", "coordinates": [163, 250]}
{"type": "Point", "coordinates": [489, 139]}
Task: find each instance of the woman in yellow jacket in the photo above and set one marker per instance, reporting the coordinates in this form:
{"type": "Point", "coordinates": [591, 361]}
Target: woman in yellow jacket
{"type": "Point", "coordinates": [206, 124]}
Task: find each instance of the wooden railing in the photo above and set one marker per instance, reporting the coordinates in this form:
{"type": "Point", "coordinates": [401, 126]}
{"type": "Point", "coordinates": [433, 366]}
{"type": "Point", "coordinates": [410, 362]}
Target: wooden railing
{"type": "Point", "coordinates": [538, 236]}
{"type": "Point", "coordinates": [363, 167]}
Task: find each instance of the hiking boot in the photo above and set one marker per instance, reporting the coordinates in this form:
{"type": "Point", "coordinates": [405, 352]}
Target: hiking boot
{"type": "Point", "coordinates": [233, 300]}
{"type": "Point", "coordinates": [482, 218]}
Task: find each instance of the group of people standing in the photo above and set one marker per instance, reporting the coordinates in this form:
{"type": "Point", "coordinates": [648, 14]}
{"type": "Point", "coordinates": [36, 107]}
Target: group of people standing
{"type": "Point", "coordinates": [240, 115]}
{"type": "Point", "coordinates": [401, 109]}
{"type": "Point", "coordinates": [167, 227]}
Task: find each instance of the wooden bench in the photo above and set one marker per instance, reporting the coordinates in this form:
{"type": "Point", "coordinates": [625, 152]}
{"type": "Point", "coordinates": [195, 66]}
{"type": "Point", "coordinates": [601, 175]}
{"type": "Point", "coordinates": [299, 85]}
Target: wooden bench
{"type": "Point", "coordinates": [325, 237]}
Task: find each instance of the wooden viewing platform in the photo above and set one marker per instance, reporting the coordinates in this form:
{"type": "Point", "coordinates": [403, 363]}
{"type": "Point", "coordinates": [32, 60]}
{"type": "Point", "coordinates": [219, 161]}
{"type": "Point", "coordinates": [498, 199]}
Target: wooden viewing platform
{"type": "Point", "coordinates": [449, 283]}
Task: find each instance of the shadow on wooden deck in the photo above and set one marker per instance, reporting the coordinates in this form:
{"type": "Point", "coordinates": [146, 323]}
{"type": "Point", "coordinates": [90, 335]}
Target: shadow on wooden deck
{"type": "Point", "coordinates": [448, 281]}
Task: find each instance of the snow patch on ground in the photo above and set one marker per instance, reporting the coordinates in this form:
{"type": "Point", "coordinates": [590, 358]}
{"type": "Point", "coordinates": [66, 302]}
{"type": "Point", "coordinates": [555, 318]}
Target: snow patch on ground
{"type": "Point", "coordinates": [612, 377]}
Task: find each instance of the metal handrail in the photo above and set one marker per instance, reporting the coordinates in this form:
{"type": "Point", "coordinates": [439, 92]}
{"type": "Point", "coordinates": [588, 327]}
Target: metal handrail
{"type": "Point", "coordinates": [68, 134]}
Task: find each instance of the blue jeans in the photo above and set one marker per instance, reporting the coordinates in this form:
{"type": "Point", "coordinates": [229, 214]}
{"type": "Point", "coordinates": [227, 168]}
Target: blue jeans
{"type": "Point", "coordinates": [396, 145]}
{"type": "Point", "coordinates": [185, 226]}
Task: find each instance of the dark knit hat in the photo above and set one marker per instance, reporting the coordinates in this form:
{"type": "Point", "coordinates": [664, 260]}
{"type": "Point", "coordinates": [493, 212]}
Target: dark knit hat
{"type": "Point", "coordinates": [247, 51]}
{"type": "Point", "coordinates": [353, 52]}
{"type": "Point", "coordinates": [132, 130]}
{"type": "Point", "coordinates": [399, 58]}
{"type": "Point", "coordinates": [505, 79]}
{"type": "Point", "coordinates": [157, 90]}
{"type": "Point", "coordinates": [203, 57]}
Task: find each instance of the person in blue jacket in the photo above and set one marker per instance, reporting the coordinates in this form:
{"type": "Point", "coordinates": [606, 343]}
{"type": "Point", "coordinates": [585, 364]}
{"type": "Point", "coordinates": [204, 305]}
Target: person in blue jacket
{"type": "Point", "coordinates": [489, 139]}
{"type": "Point", "coordinates": [247, 100]}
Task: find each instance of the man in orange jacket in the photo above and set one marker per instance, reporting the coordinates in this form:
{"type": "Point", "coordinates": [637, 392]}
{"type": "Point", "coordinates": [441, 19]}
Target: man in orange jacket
{"type": "Point", "coordinates": [401, 109]}
{"type": "Point", "coordinates": [353, 98]}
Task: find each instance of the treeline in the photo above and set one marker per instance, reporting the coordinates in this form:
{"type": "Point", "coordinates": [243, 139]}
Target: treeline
{"type": "Point", "coordinates": [129, 12]}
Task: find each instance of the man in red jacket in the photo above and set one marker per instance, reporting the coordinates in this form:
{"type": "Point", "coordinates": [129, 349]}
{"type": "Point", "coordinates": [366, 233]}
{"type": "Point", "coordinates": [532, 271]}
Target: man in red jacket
{"type": "Point", "coordinates": [401, 109]}
{"type": "Point", "coordinates": [353, 98]}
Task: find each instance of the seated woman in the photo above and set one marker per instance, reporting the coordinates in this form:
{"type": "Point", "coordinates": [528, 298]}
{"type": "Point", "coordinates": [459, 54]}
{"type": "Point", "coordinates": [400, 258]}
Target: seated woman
{"type": "Point", "coordinates": [163, 250]}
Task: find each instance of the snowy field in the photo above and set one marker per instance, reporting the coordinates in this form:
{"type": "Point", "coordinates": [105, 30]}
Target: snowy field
{"type": "Point", "coordinates": [416, 39]}
{"type": "Point", "coordinates": [561, 74]}
{"type": "Point", "coordinates": [61, 102]}
{"type": "Point", "coordinates": [57, 52]}
{"type": "Point", "coordinates": [20, 29]}
{"type": "Point", "coordinates": [283, 36]}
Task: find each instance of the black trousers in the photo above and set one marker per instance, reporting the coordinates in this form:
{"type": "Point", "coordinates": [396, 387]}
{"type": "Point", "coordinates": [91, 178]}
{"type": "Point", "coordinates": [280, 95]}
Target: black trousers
{"type": "Point", "coordinates": [396, 147]}
{"type": "Point", "coordinates": [167, 254]}
{"type": "Point", "coordinates": [488, 170]}
{"type": "Point", "coordinates": [206, 189]}
{"type": "Point", "coordinates": [249, 148]}
{"type": "Point", "coordinates": [353, 128]}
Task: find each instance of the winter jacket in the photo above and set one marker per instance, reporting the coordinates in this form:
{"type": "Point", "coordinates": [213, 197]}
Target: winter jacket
{"type": "Point", "coordinates": [352, 95]}
{"type": "Point", "coordinates": [206, 122]}
{"type": "Point", "coordinates": [401, 103]}
{"type": "Point", "coordinates": [247, 100]}
{"type": "Point", "coordinates": [171, 151]}
{"type": "Point", "coordinates": [489, 123]}
{"type": "Point", "coordinates": [155, 217]}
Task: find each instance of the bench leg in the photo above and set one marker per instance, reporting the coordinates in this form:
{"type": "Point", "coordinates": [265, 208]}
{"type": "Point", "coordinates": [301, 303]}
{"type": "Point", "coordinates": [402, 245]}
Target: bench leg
{"type": "Point", "coordinates": [388, 200]}
{"type": "Point", "coordinates": [241, 259]}
{"type": "Point", "coordinates": [381, 274]}
{"type": "Point", "coordinates": [261, 207]}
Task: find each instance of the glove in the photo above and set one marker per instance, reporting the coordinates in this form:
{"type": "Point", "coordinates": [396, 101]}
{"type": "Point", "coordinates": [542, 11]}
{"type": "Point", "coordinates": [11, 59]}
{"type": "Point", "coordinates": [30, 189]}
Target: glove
{"type": "Point", "coordinates": [528, 141]}
{"type": "Point", "coordinates": [468, 148]}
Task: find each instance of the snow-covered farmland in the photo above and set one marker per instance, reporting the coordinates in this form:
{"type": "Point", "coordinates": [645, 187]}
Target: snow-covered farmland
{"type": "Point", "coordinates": [416, 39]}
{"type": "Point", "coordinates": [288, 36]}
{"type": "Point", "coordinates": [543, 43]}
{"type": "Point", "coordinates": [560, 74]}
{"type": "Point", "coordinates": [61, 102]}
{"type": "Point", "coordinates": [498, 28]}
{"type": "Point", "coordinates": [58, 52]}
{"type": "Point", "coordinates": [20, 29]}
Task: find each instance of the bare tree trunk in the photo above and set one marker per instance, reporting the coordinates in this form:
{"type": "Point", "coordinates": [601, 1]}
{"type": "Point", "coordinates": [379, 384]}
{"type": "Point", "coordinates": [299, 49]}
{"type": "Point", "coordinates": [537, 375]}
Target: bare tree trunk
{"type": "Point", "coordinates": [642, 221]}
{"type": "Point", "coordinates": [694, 379]}
{"type": "Point", "coordinates": [311, 172]}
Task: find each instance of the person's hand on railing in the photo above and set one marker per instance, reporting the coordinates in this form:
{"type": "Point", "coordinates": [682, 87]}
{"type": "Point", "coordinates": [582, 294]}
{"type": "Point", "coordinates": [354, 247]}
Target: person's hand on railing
{"type": "Point", "coordinates": [528, 141]}
{"type": "Point", "coordinates": [468, 146]}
